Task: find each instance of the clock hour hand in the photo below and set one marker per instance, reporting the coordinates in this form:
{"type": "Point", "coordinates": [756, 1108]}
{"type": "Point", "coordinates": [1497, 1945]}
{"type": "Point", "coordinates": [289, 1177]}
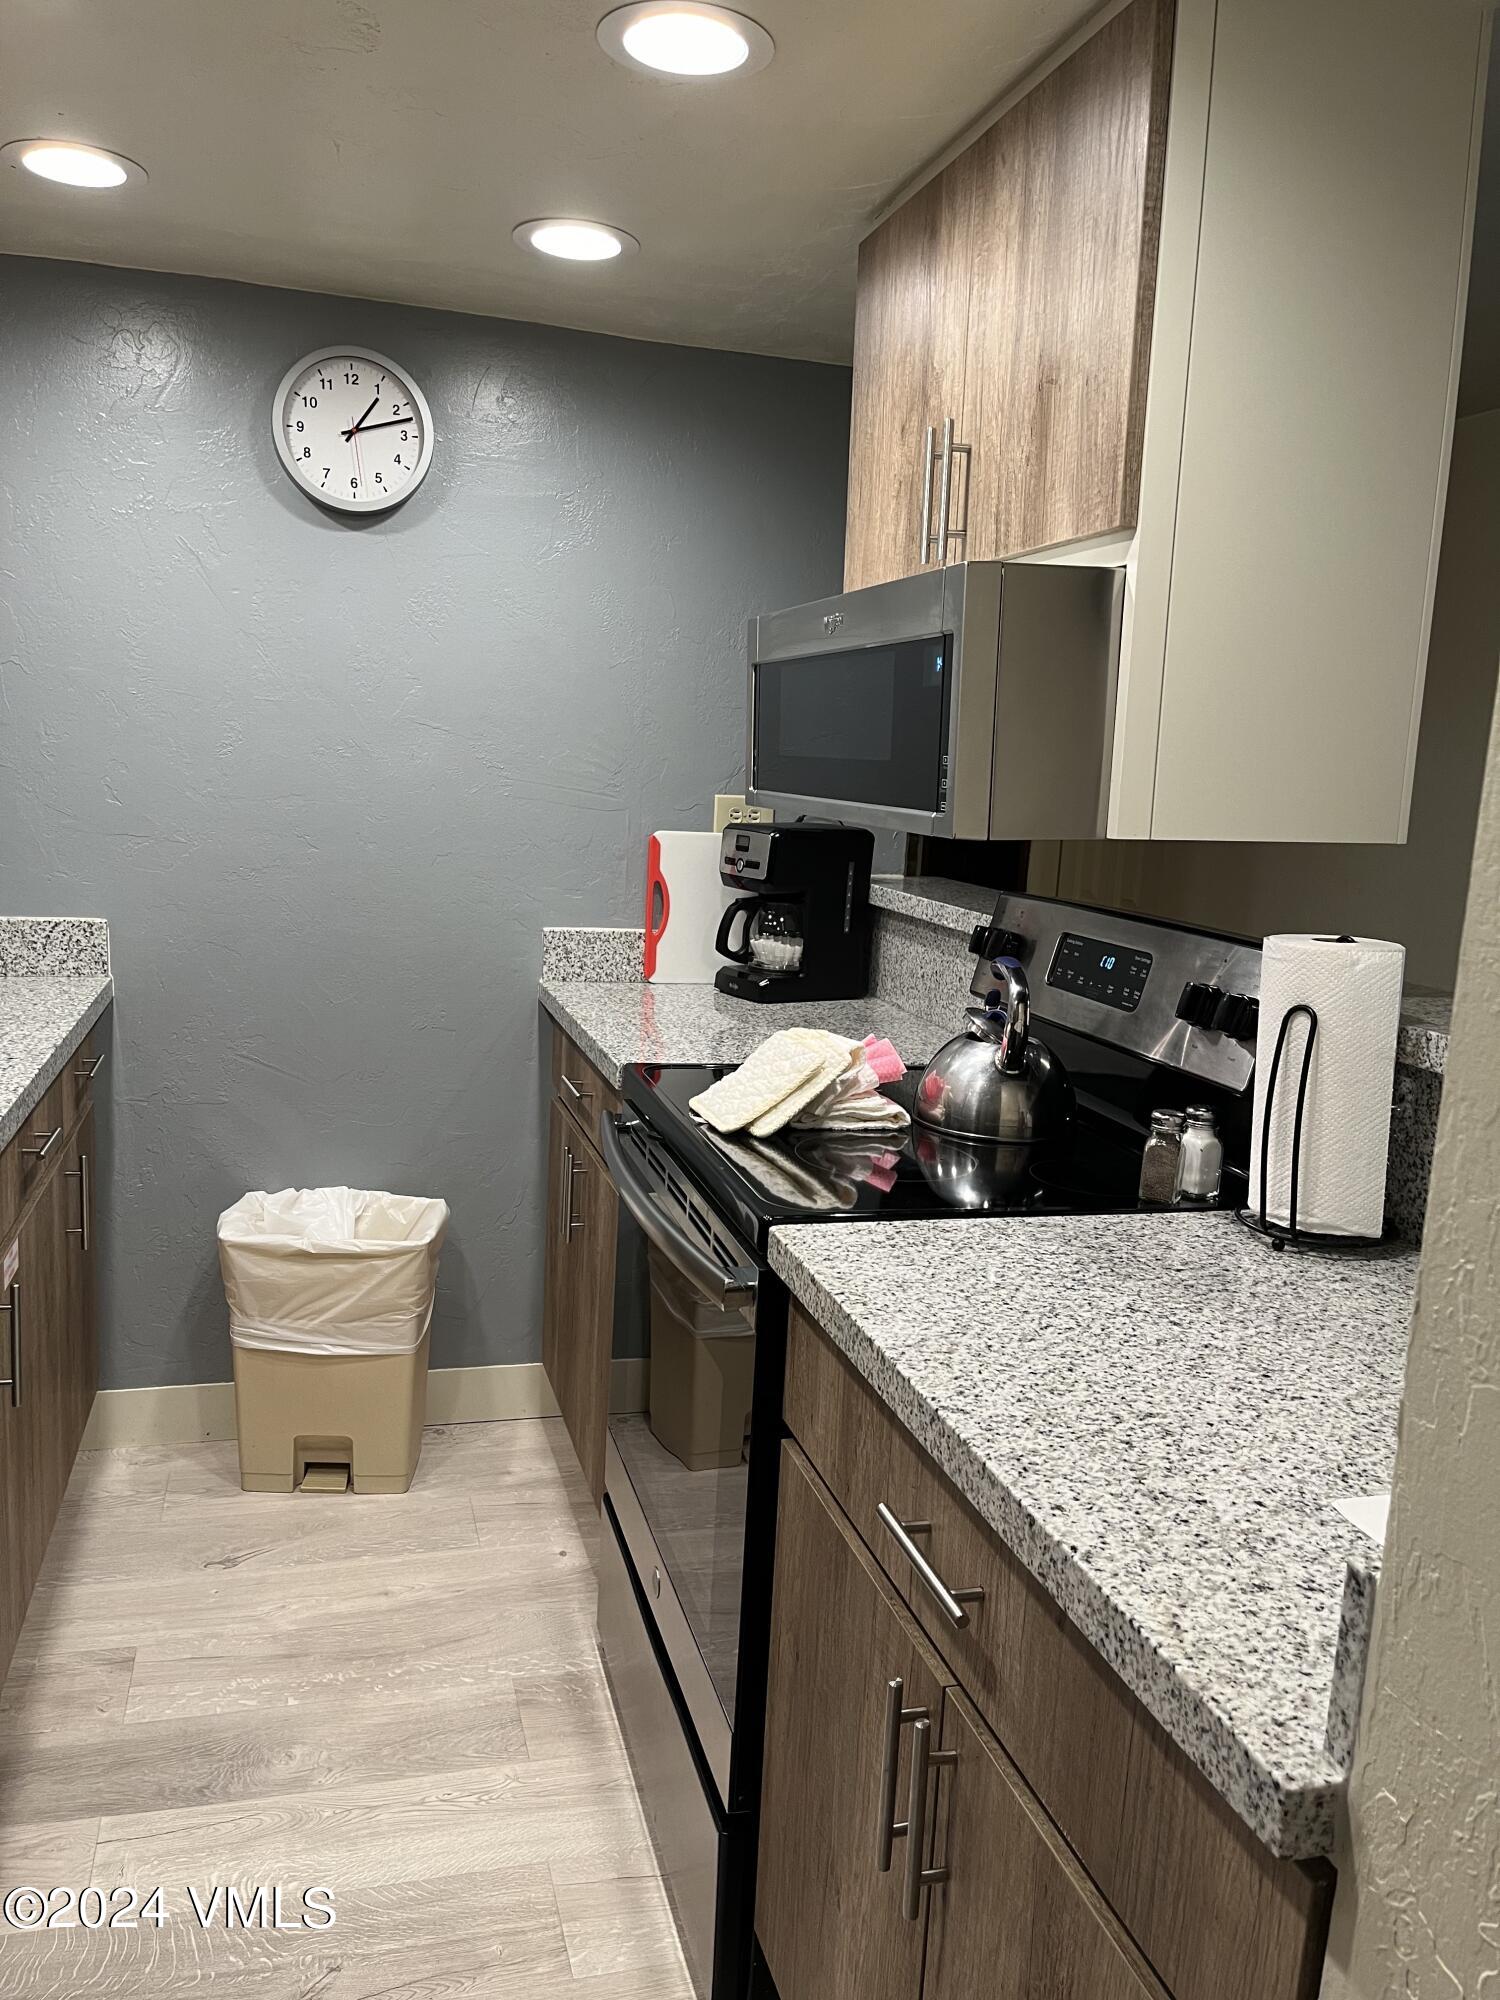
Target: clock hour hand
{"type": "Point", "coordinates": [356, 425]}
{"type": "Point", "coordinates": [384, 425]}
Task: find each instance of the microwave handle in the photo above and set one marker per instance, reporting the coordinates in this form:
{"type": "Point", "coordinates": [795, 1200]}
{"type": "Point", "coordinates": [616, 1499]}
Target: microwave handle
{"type": "Point", "coordinates": [743, 907]}
{"type": "Point", "coordinates": [723, 1288]}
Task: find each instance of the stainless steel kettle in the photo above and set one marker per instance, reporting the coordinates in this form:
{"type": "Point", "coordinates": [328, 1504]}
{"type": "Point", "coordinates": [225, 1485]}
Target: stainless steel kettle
{"type": "Point", "coordinates": [997, 1081]}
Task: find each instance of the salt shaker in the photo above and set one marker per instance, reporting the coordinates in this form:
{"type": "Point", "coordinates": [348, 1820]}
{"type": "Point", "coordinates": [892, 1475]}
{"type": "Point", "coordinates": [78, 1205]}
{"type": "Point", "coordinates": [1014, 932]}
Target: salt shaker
{"type": "Point", "coordinates": [1161, 1160]}
{"type": "Point", "coordinates": [1201, 1163]}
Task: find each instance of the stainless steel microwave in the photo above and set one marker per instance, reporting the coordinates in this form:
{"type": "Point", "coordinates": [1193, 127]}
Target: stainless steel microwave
{"type": "Point", "coordinates": [974, 702]}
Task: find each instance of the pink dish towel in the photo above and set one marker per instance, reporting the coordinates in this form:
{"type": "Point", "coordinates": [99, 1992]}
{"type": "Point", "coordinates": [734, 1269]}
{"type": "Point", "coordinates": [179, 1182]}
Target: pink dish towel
{"type": "Point", "coordinates": [883, 1059]}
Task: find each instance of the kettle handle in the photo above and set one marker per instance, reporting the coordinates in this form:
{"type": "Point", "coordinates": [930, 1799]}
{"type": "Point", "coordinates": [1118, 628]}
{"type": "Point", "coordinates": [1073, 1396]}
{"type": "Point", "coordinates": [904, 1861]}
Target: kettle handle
{"type": "Point", "coordinates": [1010, 1053]}
{"type": "Point", "coordinates": [740, 954]}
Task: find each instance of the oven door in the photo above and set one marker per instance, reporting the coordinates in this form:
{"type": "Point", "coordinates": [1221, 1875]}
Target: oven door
{"type": "Point", "coordinates": [881, 703]}
{"type": "Point", "coordinates": [677, 1460]}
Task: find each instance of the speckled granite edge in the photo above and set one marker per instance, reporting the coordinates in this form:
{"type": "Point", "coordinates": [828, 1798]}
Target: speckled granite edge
{"type": "Point", "coordinates": [568, 1021]}
{"type": "Point", "coordinates": [1422, 1042]}
{"type": "Point", "coordinates": [1295, 1821]}
{"type": "Point", "coordinates": [577, 951]}
{"type": "Point", "coordinates": [43, 1019]}
{"type": "Point", "coordinates": [37, 947]}
{"type": "Point", "coordinates": [955, 907]}
{"type": "Point", "coordinates": [1356, 1622]}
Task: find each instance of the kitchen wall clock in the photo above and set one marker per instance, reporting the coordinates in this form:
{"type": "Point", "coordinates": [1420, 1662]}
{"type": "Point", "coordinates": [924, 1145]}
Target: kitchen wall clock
{"type": "Point", "coordinates": [353, 429]}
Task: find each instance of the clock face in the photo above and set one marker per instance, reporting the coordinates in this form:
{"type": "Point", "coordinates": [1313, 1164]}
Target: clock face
{"type": "Point", "coordinates": [352, 429]}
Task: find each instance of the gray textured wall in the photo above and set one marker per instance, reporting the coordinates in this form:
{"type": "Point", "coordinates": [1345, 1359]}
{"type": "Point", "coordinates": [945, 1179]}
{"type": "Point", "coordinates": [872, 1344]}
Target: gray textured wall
{"type": "Point", "coordinates": [327, 782]}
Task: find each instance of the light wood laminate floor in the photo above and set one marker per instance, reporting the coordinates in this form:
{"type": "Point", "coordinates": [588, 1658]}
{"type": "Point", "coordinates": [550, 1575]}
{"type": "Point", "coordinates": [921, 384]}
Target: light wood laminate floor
{"type": "Point", "coordinates": [397, 1698]}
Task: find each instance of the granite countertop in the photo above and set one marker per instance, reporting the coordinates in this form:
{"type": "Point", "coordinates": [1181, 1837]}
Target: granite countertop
{"type": "Point", "coordinates": [54, 985]}
{"type": "Point", "coordinates": [1156, 1414]}
{"type": "Point", "coordinates": [617, 1022]}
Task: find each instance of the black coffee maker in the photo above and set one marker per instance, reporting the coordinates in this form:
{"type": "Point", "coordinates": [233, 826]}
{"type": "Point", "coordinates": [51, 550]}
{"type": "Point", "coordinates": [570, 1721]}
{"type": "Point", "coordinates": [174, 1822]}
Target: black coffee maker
{"type": "Point", "coordinates": [804, 932]}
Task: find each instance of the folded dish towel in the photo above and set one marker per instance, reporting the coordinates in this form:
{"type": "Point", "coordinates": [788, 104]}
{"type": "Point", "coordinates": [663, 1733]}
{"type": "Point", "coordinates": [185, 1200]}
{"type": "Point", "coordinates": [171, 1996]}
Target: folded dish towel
{"type": "Point", "coordinates": [809, 1078]}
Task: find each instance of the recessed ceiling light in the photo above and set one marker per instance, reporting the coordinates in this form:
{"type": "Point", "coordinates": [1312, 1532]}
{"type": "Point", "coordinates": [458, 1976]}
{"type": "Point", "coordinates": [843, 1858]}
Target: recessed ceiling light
{"type": "Point", "coordinates": [685, 38]}
{"type": "Point", "coordinates": [580, 242]}
{"type": "Point", "coordinates": [73, 164]}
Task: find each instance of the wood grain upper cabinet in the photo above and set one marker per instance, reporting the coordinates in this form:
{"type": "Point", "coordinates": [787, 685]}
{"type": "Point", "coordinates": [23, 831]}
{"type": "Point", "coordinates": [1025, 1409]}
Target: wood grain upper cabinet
{"type": "Point", "coordinates": [1011, 299]}
{"type": "Point", "coordinates": [1063, 202]}
{"type": "Point", "coordinates": [830, 1900]}
{"type": "Point", "coordinates": [910, 338]}
{"type": "Point", "coordinates": [1016, 1916]}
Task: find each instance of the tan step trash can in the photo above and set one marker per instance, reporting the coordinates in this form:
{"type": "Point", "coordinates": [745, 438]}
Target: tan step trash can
{"type": "Point", "coordinates": [330, 1300]}
{"type": "Point", "coordinates": [702, 1371]}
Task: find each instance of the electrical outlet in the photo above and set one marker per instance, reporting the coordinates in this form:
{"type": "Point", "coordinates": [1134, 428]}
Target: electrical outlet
{"type": "Point", "coordinates": [730, 810]}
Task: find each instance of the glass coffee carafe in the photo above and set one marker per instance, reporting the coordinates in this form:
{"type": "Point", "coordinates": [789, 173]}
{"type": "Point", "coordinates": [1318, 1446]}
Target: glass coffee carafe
{"type": "Point", "coordinates": [771, 935]}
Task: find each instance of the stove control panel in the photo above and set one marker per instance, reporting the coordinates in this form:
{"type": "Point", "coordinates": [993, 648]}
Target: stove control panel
{"type": "Point", "coordinates": [1113, 974]}
{"type": "Point", "coordinates": [1171, 994]}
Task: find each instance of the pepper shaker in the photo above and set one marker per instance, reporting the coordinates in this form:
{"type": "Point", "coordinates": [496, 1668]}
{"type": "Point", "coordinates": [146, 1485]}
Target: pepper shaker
{"type": "Point", "coordinates": [1161, 1161]}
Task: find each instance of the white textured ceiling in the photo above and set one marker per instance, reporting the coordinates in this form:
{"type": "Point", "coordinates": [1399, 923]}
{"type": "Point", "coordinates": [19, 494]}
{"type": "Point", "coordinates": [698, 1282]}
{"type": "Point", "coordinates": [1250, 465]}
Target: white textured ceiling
{"type": "Point", "coordinates": [386, 148]}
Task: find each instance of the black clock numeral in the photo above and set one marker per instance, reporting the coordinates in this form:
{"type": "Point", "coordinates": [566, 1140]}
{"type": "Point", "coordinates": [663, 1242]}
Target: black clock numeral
{"type": "Point", "coordinates": [325, 381]}
{"type": "Point", "coordinates": [309, 402]}
{"type": "Point", "coordinates": [299, 423]}
{"type": "Point", "coordinates": [353, 485]}
{"type": "Point", "coordinates": [351, 375]}
{"type": "Point", "coordinates": [378, 480]}
{"type": "Point", "coordinates": [307, 451]}
{"type": "Point", "coordinates": [395, 409]}
{"type": "Point", "coordinates": [326, 470]}
{"type": "Point", "coordinates": [398, 458]}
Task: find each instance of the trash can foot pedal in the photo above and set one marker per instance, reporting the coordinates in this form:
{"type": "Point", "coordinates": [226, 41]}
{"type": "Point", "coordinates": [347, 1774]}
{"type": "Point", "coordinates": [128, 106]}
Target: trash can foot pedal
{"type": "Point", "coordinates": [325, 1479]}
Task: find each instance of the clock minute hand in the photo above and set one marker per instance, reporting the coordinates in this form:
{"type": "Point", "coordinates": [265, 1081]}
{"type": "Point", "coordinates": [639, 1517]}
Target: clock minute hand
{"type": "Point", "coordinates": [385, 424]}
{"type": "Point", "coordinates": [359, 421]}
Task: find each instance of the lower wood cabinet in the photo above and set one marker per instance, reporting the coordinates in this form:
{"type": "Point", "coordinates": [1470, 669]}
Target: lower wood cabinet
{"type": "Point", "coordinates": [48, 1340]}
{"type": "Point", "coordinates": [578, 1301]}
{"type": "Point", "coordinates": [901, 1852]}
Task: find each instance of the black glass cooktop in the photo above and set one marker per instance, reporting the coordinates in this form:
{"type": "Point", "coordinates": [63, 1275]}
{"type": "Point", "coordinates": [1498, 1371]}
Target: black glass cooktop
{"type": "Point", "coordinates": [804, 1176]}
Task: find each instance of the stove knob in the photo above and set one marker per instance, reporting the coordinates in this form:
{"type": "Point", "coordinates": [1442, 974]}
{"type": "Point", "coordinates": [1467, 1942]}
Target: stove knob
{"type": "Point", "coordinates": [1198, 1004]}
{"type": "Point", "coordinates": [1238, 1015]}
{"type": "Point", "coordinates": [988, 941]}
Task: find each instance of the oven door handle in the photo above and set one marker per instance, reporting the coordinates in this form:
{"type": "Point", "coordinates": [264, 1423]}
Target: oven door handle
{"type": "Point", "coordinates": [723, 1288]}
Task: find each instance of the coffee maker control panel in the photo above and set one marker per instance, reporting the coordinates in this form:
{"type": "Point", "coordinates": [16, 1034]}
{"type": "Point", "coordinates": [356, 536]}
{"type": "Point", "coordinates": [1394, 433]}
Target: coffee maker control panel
{"type": "Point", "coordinates": [744, 855]}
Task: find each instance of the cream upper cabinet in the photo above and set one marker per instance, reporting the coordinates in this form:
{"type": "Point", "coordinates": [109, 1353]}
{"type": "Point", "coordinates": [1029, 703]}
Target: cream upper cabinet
{"type": "Point", "coordinates": [1317, 212]}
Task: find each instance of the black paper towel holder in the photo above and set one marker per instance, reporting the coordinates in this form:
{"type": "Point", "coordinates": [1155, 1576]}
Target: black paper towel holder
{"type": "Point", "coordinates": [1278, 1234]}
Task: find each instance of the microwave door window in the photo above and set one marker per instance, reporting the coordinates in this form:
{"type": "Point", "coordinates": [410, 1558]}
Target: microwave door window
{"type": "Point", "coordinates": [869, 726]}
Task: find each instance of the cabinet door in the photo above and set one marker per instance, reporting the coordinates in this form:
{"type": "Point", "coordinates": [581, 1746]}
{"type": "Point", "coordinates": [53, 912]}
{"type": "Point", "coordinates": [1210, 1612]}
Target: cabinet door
{"type": "Point", "coordinates": [81, 1351]}
{"type": "Point", "coordinates": [1065, 199]}
{"type": "Point", "coordinates": [578, 1306]}
{"type": "Point", "coordinates": [1017, 1916]}
{"type": "Point", "coordinates": [40, 1431]}
{"type": "Point", "coordinates": [910, 329]}
{"type": "Point", "coordinates": [592, 1210]}
{"type": "Point", "coordinates": [828, 1916]}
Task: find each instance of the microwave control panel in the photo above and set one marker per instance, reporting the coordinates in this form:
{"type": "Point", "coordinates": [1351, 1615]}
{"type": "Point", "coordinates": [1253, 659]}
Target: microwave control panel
{"type": "Point", "coordinates": [1112, 974]}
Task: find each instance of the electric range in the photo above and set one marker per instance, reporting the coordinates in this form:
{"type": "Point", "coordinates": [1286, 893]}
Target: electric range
{"type": "Point", "coordinates": [1141, 1015]}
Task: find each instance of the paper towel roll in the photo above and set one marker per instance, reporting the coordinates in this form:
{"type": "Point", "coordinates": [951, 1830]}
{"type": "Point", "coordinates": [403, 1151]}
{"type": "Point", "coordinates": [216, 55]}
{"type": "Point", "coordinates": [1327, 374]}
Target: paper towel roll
{"type": "Point", "coordinates": [1354, 984]}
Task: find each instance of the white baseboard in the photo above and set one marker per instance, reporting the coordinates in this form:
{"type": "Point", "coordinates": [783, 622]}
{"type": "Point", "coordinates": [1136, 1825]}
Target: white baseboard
{"type": "Point", "coordinates": [203, 1412]}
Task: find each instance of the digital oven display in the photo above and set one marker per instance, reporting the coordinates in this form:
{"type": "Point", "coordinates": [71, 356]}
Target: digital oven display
{"type": "Point", "coordinates": [1109, 973]}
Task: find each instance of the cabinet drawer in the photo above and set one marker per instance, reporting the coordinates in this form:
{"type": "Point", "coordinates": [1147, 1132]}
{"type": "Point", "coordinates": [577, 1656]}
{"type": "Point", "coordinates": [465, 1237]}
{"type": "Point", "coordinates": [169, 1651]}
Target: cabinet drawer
{"type": "Point", "coordinates": [1218, 1916]}
{"type": "Point", "coordinates": [83, 1067]}
{"type": "Point", "coordinates": [29, 1157]}
{"type": "Point", "coordinates": [579, 1085]}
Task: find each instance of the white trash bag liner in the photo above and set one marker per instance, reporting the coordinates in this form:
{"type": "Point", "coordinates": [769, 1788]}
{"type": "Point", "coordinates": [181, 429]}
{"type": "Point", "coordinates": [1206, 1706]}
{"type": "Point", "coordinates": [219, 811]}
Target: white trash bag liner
{"type": "Point", "coordinates": [331, 1270]}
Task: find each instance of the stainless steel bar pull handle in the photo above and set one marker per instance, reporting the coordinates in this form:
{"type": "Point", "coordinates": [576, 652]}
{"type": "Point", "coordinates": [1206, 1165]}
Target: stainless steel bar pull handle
{"type": "Point", "coordinates": [12, 1381]}
{"type": "Point", "coordinates": [929, 447]}
{"type": "Point", "coordinates": [85, 1199]}
{"type": "Point", "coordinates": [578, 1096]}
{"type": "Point", "coordinates": [565, 1197]}
{"type": "Point", "coordinates": [950, 1602]}
{"type": "Point", "coordinates": [897, 1717]}
{"type": "Point", "coordinates": [88, 1070]}
{"type": "Point", "coordinates": [40, 1152]}
{"type": "Point", "coordinates": [918, 1878]}
{"type": "Point", "coordinates": [946, 532]}
{"type": "Point", "coordinates": [575, 1168]}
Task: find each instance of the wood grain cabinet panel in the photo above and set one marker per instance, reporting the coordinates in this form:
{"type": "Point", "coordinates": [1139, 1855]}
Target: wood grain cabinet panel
{"type": "Point", "coordinates": [1237, 1924]}
{"type": "Point", "coordinates": [1017, 1916]}
{"type": "Point", "coordinates": [830, 1921]}
{"type": "Point", "coordinates": [1064, 206]}
{"type": "Point", "coordinates": [580, 1086]}
{"type": "Point", "coordinates": [578, 1299]}
{"type": "Point", "coordinates": [910, 338]}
